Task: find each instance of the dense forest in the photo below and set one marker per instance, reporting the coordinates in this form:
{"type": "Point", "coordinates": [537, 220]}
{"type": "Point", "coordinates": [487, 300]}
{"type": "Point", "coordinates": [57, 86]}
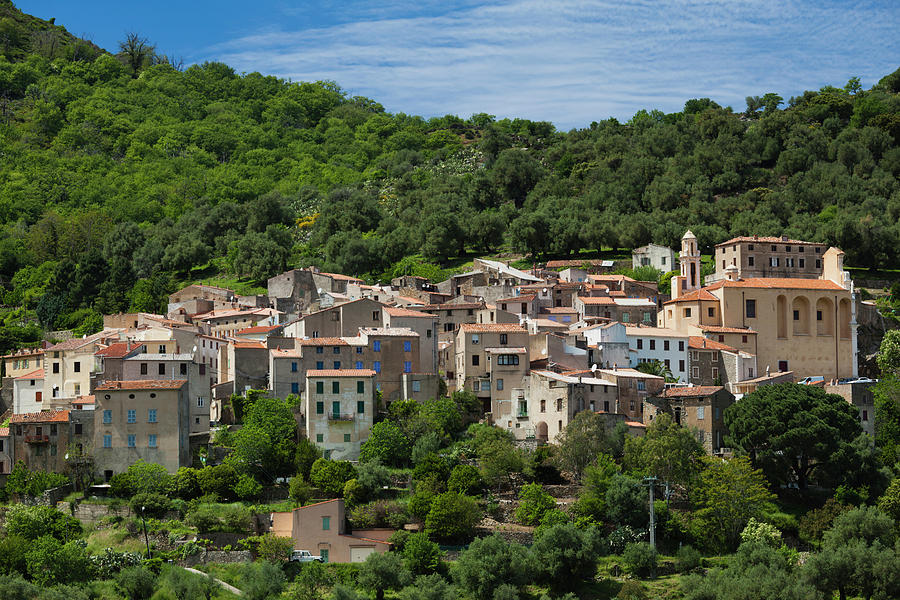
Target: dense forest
{"type": "Point", "coordinates": [123, 174]}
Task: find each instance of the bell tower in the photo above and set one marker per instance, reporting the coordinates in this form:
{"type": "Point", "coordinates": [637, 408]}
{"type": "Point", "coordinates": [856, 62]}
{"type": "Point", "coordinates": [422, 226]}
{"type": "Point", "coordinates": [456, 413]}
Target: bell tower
{"type": "Point", "coordinates": [689, 278]}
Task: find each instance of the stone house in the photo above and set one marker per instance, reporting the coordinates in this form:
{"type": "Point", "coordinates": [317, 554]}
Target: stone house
{"type": "Point", "coordinates": [697, 408]}
{"type": "Point", "coordinates": [859, 394]}
{"type": "Point", "coordinates": [760, 256]}
{"type": "Point", "coordinates": [659, 257]}
{"type": "Point", "coordinates": [555, 398]}
{"type": "Point", "coordinates": [40, 439]}
{"type": "Point", "coordinates": [7, 459]}
{"type": "Point", "coordinates": [633, 388]}
{"type": "Point", "coordinates": [339, 408]}
{"type": "Point", "coordinates": [492, 361]}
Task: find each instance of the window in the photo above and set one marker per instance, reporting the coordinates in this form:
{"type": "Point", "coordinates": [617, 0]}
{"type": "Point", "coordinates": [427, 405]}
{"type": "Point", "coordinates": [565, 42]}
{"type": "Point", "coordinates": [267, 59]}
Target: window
{"type": "Point", "coordinates": [295, 387]}
{"type": "Point", "coordinates": [475, 359]}
{"type": "Point", "coordinates": [503, 339]}
{"type": "Point", "coordinates": [681, 365]}
{"type": "Point", "coordinates": [151, 415]}
{"type": "Point", "coordinates": [320, 407]}
{"type": "Point", "coordinates": [818, 263]}
{"type": "Point", "coordinates": [361, 406]}
{"type": "Point", "coordinates": [687, 313]}
{"type": "Point", "coordinates": [132, 415]}
{"type": "Point", "coordinates": [294, 367]}
{"type": "Point", "coordinates": [337, 364]}
{"type": "Point", "coordinates": [865, 415]}
{"type": "Point", "coordinates": [750, 261]}
{"type": "Point", "coordinates": [407, 346]}
{"type": "Point", "coordinates": [326, 523]}
{"type": "Point", "coordinates": [360, 387]}
{"type": "Point", "coordinates": [107, 441]}
{"type": "Point", "coordinates": [558, 404]}
{"type": "Point", "coordinates": [143, 368]}
{"type": "Point", "coordinates": [131, 440]}
{"type": "Point", "coordinates": [640, 386]}
{"type": "Point", "coordinates": [320, 438]}
{"type": "Point", "coordinates": [701, 411]}
{"type": "Point", "coordinates": [667, 363]}
{"type": "Point", "coordinates": [78, 431]}
{"type": "Point", "coordinates": [359, 349]}
{"type": "Point", "coordinates": [107, 416]}
{"type": "Point", "coordinates": [320, 349]}
{"type": "Point", "coordinates": [76, 366]}
{"type": "Point", "coordinates": [320, 364]}
{"type": "Point", "coordinates": [508, 359]}
{"type": "Point", "coordinates": [336, 350]}
{"type": "Point", "coordinates": [796, 315]}
{"type": "Point", "coordinates": [789, 262]}
{"type": "Point", "coordinates": [818, 315]}
{"type": "Point", "coordinates": [653, 344]}
{"type": "Point", "coordinates": [56, 367]}
{"type": "Point", "coordinates": [499, 385]}
{"type": "Point", "coordinates": [666, 345]}
{"type": "Point", "coordinates": [320, 387]}
{"type": "Point", "coordinates": [626, 317]}
{"type": "Point", "coordinates": [151, 440]}
{"type": "Point", "coordinates": [474, 338]}
{"type": "Point", "coordinates": [773, 261]}
{"type": "Point", "coordinates": [407, 366]}
{"type": "Point", "coordinates": [376, 345]}
{"type": "Point", "coordinates": [774, 248]}
{"type": "Point", "coordinates": [359, 364]}
{"type": "Point", "coordinates": [162, 368]}
{"type": "Point", "coordinates": [721, 339]}
{"type": "Point", "coordinates": [376, 366]}
{"type": "Point", "coordinates": [640, 344]}
{"type": "Point", "coordinates": [416, 385]}
{"type": "Point", "coordinates": [543, 406]}
{"type": "Point", "coordinates": [203, 369]}
{"type": "Point", "coordinates": [715, 373]}
{"type": "Point", "coordinates": [428, 334]}
{"type": "Point", "coordinates": [335, 387]}
{"type": "Point", "coordinates": [77, 389]}
{"type": "Point", "coordinates": [718, 413]}
{"type": "Point", "coordinates": [346, 437]}
{"type": "Point", "coordinates": [375, 315]}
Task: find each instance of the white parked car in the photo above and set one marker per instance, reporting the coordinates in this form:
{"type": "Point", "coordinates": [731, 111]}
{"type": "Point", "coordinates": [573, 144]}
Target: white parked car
{"type": "Point", "coordinates": [304, 556]}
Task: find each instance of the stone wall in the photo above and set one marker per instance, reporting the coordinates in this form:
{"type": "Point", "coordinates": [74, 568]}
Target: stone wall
{"type": "Point", "coordinates": [89, 513]}
{"type": "Point", "coordinates": [217, 556]}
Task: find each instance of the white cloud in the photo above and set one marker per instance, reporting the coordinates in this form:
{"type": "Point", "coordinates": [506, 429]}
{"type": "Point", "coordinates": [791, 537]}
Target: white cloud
{"type": "Point", "coordinates": [576, 61]}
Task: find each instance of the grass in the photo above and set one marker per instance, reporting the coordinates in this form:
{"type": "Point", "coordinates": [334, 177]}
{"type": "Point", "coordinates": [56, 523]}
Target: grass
{"type": "Point", "coordinates": [116, 538]}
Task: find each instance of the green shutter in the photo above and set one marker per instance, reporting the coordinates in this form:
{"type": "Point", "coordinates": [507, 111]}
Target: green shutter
{"type": "Point", "coordinates": [320, 387]}
{"type": "Point", "coordinates": [360, 406]}
{"type": "Point", "coordinates": [360, 387]}
{"type": "Point", "coordinates": [335, 387]}
{"type": "Point", "coordinates": [320, 408]}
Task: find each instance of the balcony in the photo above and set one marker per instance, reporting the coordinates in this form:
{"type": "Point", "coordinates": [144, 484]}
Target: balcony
{"type": "Point", "coordinates": [37, 439]}
{"type": "Point", "coordinates": [340, 416]}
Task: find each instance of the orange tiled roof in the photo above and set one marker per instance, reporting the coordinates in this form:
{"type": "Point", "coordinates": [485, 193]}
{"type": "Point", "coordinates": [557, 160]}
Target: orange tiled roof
{"type": "Point", "coordinates": [322, 341]}
{"type": "Point", "coordinates": [250, 345]}
{"type": "Point", "coordinates": [396, 311]}
{"type": "Point", "coordinates": [23, 352]}
{"type": "Point", "coordinates": [767, 240]}
{"type": "Point", "coordinates": [258, 329]}
{"type": "Point", "coordinates": [523, 298]}
{"type": "Point", "coordinates": [118, 349]}
{"type": "Point", "coordinates": [719, 329]}
{"type": "Point", "coordinates": [4, 431]}
{"type": "Point", "coordinates": [146, 384]}
{"type": "Point", "coordinates": [778, 282]}
{"type": "Point", "coordinates": [691, 392]}
{"type": "Point", "coordinates": [39, 374]}
{"type": "Point", "coordinates": [491, 328]}
{"type": "Point", "coordinates": [340, 276]}
{"type": "Point", "coordinates": [701, 343]}
{"type": "Point", "coordinates": [597, 300]}
{"type": "Point", "coordinates": [340, 373]}
{"type": "Point", "coordinates": [695, 296]}
{"type": "Point", "coordinates": [47, 416]}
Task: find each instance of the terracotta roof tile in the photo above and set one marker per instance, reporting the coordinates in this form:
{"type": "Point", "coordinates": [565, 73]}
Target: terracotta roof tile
{"type": "Point", "coordinates": [323, 341]}
{"type": "Point", "coordinates": [145, 384]}
{"type": "Point", "coordinates": [719, 329]}
{"type": "Point", "coordinates": [522, 298]}
{"type": "Point", "coordinates": [492, 328]}
{"type": "Point", "coordinates": [119, 349]}
{"type": "Point", "coordinates": [699, 391]}
{"type": "Point", "coordinates": [39, 374]}
{"type": "Point", "coordinates": [701, 343]}
{"type": "Point", "coordinates": [258, 329]}
{"type": "Point", "coordinates": [24, 352]}
{"type": "Point", "coordinates": [396, 311]}
{"type": "Point", "coordinates": [599, 300]}
{"type": "Point", "coordinates": [249, 345]}
{"type": "Point", "coordinates": [341, 277]}
{"type": "Point", "coordinates": [695, 296]}
{"type": "Point", "coordinates": [778, 283]}
{"type": "Point", "coordinates": [340, 373]}
{"type": "Point", "coordinates": [47, 416]}
{"type": "Point", "coordinates": [4, 431]}
{"type": "Point", "coordinates": [767, 240]}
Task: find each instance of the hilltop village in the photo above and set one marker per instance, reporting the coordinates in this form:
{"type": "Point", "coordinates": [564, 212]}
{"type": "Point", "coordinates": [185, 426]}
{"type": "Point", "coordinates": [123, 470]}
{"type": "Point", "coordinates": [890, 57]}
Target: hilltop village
{"type": "Point", "coordinates": [535, 348]}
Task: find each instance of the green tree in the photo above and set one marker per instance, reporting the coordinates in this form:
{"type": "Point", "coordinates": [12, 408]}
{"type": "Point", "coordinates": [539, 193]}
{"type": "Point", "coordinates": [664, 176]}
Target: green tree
{"type": "Point", "coordinates": [889, 503]}
{"type": "Point", "coordinates": [581, 441]}
{"type": "Point", "coordinates": [534, 501]}
{"type": "Point", "coordinates": [488, 563]}
{"type": "Point", "coordinates": [565, 555]}
{"type": "Point", "coordinates": [300, 491]}
{"type": "Point", "coordinates": [668, 451]}
{"type": "Point", "coordinates": [466, 480]}
{"type": "Point", "coordinates": [266, 445]}
{"type": "Point", "coordinates": [51, 561]}
{"type": "Point", "coordinates": [136, 583]}
{"type": "Point", "coordinates": [312, 583]}
{"type": "Point", "coordinates": [793, 432]}
{"type": "Point", "coordinates": [383, 571]}
{"type": "Point", "coordinates": [262, 580]}
{"type": "Point", "coordinates": [728, 494]}
{"type": "Point", "coordinates": [452, 517]}
{"type": "Point", "coordinates": [386, 443]}
{"type": "Point", "coordinates": [887, 418]}
{"type": "Point", "coordinates": [33, 522]}
{"type": "Point", "coordinates": [331, 475]}
{"type": "Point", "coordinates": [888, 357]}
{"type": "Point", "coordinates": [429, 587]}
{"type": "Point", "coordinates": [421, 555]}
{"type": "Point", "coordinates": [640, 559]}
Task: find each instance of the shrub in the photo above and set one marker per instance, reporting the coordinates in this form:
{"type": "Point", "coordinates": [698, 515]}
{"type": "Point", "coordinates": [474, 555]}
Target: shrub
{"type": "Point", "coordinates": [32, 522]}
{"type": "Point", "coordinates": [141, 478]}
{"type": "Point", "coordinates": [275, 549]}
{"type": "Point", "coordinates": [764, 533]}
{"type": "Point", "coordinates": [565, 555]}
{"type": "Point", "coordinates": [32, 483]}
{"type": "Point", "coordinates": [688, 559]}
{"type": "Point", "coordinates": [51, 562]}
{"type": "Point", "coordinates": [373, 477]}
{"type": "Point", "coordinates": [489, 563]}
{"type": "Point", "coordinates": [466, 480]}
{"type": "Point", "coordinates": [640, 559]}
{"type": "Point", "coordinates": [219, 480]}
{"type": "Point", "coordinates": [386, 443]}
{"type": "Point", "coordinates": [150, 505]}
{"type": "Point", "coordinates": [233, 518]}
{"type": "Point", "coordinates": [247, 488]}
{"type": "Point", "coordinates": [621, 537]}
{"type": "Point", "coordinates": [398, 539]}
{"type": "Point", "coordinates": [12, 554]}
{"type": "Point", "coordinates": [432, 465]}
{"type": "Point", "coordinates": [111, 562]}
{"type": "Point", "coordinates": [383, 513]}
{"type": "Point", "coordinates": [421, 555]}
{"type": "Point", "coordinates": [184, 484]}
{"type": "Point", "coordinates": [632, 590]}
{"type": "Point", "coordinates": [299, 491]}
{"type": "Point", "coordinates": [452, 517]}
{"type": "Point", "coordinates": [506, 592]}
{"type": "Point", "coordinates": [354, 493]}
{"type": "Point", "coordinates": [815, 523]}
{"type": "Point", "coordinates": [331, 475]}
{"type": "Point", "coordinates": [429, 587]}
{"type": "Point", "coordinates": [533, 503]}
{"type": "Point", "coordinates": [136, 583]}
{"type": "Point", "coordinates": [262, 580]}
{"type": "Point", "coordinates": [382, 571]}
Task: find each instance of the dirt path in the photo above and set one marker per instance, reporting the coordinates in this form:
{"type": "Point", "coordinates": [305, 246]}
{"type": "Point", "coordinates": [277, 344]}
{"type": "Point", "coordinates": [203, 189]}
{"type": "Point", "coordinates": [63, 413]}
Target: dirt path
{"type": "Point", "coordinates": [226, 586]}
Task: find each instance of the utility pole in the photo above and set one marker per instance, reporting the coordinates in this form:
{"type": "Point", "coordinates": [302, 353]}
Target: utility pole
{"type": "Point", "coordinates": [651, 482]}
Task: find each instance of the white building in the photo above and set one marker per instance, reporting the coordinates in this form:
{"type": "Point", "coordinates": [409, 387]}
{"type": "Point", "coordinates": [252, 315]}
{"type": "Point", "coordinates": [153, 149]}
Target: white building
{"type": "Point", "coordinates": [646, 344]}
{"type": "Point", "coordinates": [654, 255]}
{"type": "Point", "coordinates": [28, 392]}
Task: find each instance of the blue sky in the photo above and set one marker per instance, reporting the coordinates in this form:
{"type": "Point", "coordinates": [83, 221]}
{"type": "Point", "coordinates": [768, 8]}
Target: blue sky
{"type": "Point", "coordinates": [566, 61]}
